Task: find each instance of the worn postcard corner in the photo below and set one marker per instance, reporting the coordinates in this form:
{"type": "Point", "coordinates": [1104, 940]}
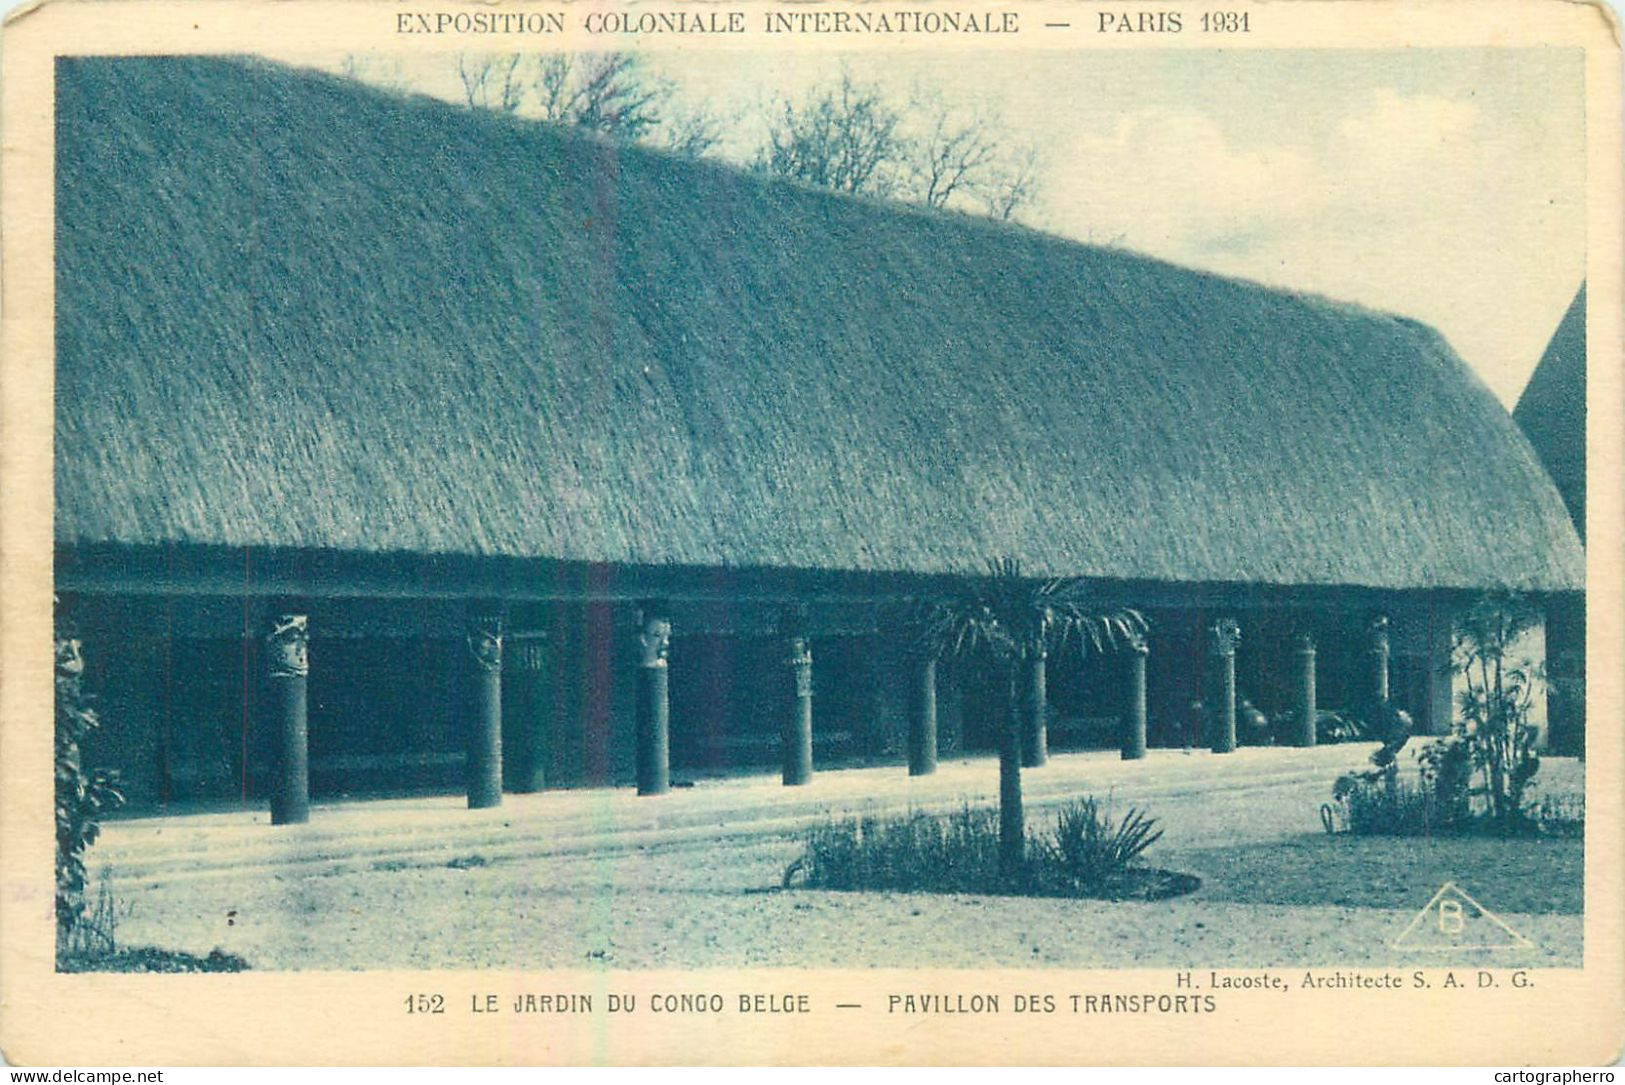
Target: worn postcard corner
{"type": "Point", "coordinates": [762, 532]}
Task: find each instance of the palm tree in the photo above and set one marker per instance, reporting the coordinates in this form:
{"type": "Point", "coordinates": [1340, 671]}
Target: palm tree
{"type": "Point", "coordinates": [1009, 620]}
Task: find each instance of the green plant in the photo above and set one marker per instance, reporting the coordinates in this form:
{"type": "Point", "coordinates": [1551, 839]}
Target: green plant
{"type": "Point", "coordinates": [1086, 854]}
{"type": "Point", "coordinates": [958, 853]}
{"type": "Point", "coordinates": [1494, 705]}
{"type": "Point", "coordinates": [82, 797]}
{"type": "Point", "coordinates": [95, 933]}
{"type": "Point", "coordinates": [1561, 815]}
{"type": "Point", "coordinates": [1090, 849]}
{"type": "Point", "coordinates": [1330, 727]}
{"type": "Point", "coordinates": [1446, 768]}
{"type": "Point", "coordinates": [1008, 620]}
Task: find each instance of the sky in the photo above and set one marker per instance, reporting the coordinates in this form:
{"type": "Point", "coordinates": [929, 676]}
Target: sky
{"type": "Point", "coordinates": [1444, 185]}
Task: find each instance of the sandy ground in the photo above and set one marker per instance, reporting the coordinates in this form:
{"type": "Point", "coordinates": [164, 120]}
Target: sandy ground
{"type": "Point", "coordinates": [690, 880]}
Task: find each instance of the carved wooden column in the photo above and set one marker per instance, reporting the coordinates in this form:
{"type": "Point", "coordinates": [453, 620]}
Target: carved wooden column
{"type": "Point", "coordinates": [797, 728]}
{"type": "Point", "coordinates": [483, 709]}
{"type": "Point", "coordinates": [1439, 690]}
{"type": "Point", "coordinates": [1134, 723]}
{"type": "Point", "coordinates": [527, 713]}
{"type": "Point", "coordinates": [922, 715]}
{"type": "Point", "coordinates": [1379, 651]}
{"type": "Point", "coordinates": [287, 667]}
{"type": "Point", "coordinates": [654, 702]}
{"type": "Point", "coordinates": [1304, 653]}
{"type": "Point", "coordinates": [1223, 637]}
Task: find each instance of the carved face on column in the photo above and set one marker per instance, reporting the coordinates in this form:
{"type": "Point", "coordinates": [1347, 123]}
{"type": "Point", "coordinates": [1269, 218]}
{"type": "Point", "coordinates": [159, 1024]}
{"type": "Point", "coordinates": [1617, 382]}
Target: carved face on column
{"type": "Point", "coordinates": [801, 663]}
{"type": "Point", "coordinates": [1223, 636]}
{"type": "Point", "coordinates": [1306, 643]}
{"type": "Point", "coordinates": [69, 662]}
{"type": "Point", "coordinates": [655, 640]}
{"type": "Point", "coordinates": [485, 643]}
{"type": "Point", "coordinates": [1377, 633]}
{"type": "Point", "coordinates": [1135, 641]}
{"type": "Point", "coordinates": [287, 645]}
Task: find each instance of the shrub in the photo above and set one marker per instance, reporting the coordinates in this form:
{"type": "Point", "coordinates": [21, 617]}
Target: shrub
{"type": "Point", "coordinates": [1561, 815]}
{"type": "Point", "coordinates": [1087, 853]}
{"type": "Point", "coordinates": [95, 933]}
{"type": "Point", "coordinates": [1330, 727]}
{"type": "Point", "coordinates": [81, 797]}
{"type": "Point", "coordinates": [1090, 850]}
{"type": "Point", "coordinates": [1494, 707]}
{"type": "Point", "coordinates": [1379, 804]}
{"type": "Point", "coordinates": [959, 853]}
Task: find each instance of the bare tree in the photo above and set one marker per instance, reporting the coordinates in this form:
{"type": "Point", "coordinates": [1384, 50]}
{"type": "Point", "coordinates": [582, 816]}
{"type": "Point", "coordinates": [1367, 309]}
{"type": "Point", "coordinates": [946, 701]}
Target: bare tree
{"type": "Point", "coordinates": [845, 137]}
{"type": "Point", "coordinates": [693, 132]}
{"type": "Point", "coordinates": [492, 81]}
{"type": "Point", "coordinates": [610, 93]}
{"type": "Point", "coordinates": [604, 92]}
{"type": "Point", "coordinates": [1013, 187]}
{"type": "Point", "coordinates": [951, 154]}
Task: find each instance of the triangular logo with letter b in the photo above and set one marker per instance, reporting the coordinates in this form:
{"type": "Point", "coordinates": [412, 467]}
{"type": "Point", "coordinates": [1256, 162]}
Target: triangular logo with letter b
{"type": "Point", "coordinates": [1454, 920]}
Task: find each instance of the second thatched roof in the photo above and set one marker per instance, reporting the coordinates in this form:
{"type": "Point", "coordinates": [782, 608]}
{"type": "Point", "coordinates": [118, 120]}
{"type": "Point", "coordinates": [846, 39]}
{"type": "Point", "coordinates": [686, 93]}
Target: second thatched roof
{"type": "Point", "coordinates": [296, 312]}
{"type": "Point", "coordinates": [1552, 409]}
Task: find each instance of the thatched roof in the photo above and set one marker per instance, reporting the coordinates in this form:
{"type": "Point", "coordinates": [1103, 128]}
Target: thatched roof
{"type": "Point", "coordinates": [293, 311]}
{"type": "Point", "coordinates": [1552, 409]}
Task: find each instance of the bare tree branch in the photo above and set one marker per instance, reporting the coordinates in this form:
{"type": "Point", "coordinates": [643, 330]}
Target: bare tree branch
{"type": "Point", "coordinates": [491, 81]}
{"type": "Point", "coordinates": [844, 137]}
{"type": "Point", "coordinates": [951, 154]}
{"type": "Point", "coordinates": [1014, 187]}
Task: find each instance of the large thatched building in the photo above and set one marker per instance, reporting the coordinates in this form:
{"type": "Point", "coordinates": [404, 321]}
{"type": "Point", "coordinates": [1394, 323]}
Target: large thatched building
{"type": "Point", "coordinates": [383, 371]}
{"type": "Point", "coordinates": [1552, 413]}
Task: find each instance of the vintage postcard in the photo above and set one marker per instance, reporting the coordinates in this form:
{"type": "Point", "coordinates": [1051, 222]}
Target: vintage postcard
{"type": "Point", "coordinates": [834, 532]}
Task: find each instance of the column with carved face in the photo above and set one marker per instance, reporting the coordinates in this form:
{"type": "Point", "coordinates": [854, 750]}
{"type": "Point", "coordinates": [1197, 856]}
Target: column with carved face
{"type": "Point", "coordinates": [653, 731]}
{"type": "Point", "coordinates": [527, 711]}
{"type": "Point", "coordinates": [1379, 651]}
{"type": "Point", "coordinates": [1223, 638]}
{"type": "Point", "coordinates": [1304, 653]}
{"type": "Point", "coordinates": [287, 667]}
{"type": "Point", "coordinates": [482, 667]}
{"type": "Point", "coordinates": [922, 712]}
{"type": "Point", "coordinates": [1135, 723]}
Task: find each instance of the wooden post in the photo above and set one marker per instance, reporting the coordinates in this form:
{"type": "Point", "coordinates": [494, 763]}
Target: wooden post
{"type": "Point", "coordinates": [1134, 729]}
{"type": "Point", "coordinates": [1224, 636]}
{"type": "Point", "coordinates": [528, 714]}
{"type": "Point", "coordinates": [287, 668]}
{"type": "Point", "coordinates": [796, 732]}
{"type": "Point", "coordinates": [654, 703]}
{"type": "Point", "coordinates": [1440, 678]}
{"type": "Point", "coordinates": [922, 717]}
{"type": "Point", "coordinates": [1378, 648]}
{"type": "Point", "coordinates": [1307, 708]}
{"type": "Point", "coordinates": [482, 725]}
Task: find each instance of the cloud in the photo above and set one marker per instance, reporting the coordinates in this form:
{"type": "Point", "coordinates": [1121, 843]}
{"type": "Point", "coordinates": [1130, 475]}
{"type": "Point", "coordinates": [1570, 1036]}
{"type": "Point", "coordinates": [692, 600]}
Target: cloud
{"type": "Point", "coordinates": [1414, 204]}
{"type": "Point", "coordinates": [1164, 179]}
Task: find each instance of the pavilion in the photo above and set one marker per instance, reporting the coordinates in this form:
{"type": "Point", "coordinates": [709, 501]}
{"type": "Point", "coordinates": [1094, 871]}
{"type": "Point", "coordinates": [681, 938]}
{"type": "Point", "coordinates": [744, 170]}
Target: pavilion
{"type": "Point", "coordinates": [399, 444]}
